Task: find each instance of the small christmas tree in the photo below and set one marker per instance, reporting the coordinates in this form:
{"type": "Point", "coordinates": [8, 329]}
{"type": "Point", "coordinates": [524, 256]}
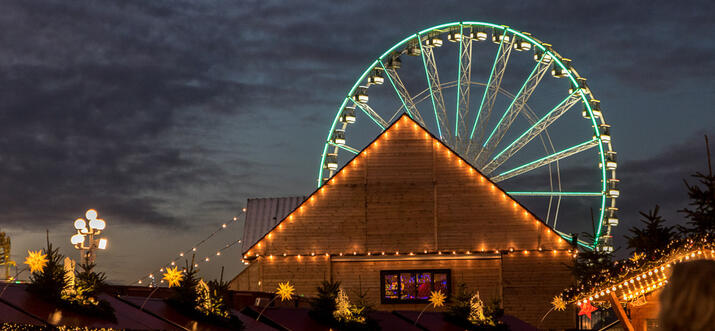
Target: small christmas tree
{"type": "Point", "coordinates": [88, 282]}
{"type": "Point", "coordinates": [50, 280]}
{"type": "Point", "coordinates": [467, 310]}
{"type": "Point", "coordinates": [346, 312]}
{"type": "Point", "coordinates": [203, 301]}
{"type": "Point", "coordinates": [323, 305]}
{"type": "Point", "coordinates": [185, 294]}
{"type": "Point", "coordinates": [331, 307]}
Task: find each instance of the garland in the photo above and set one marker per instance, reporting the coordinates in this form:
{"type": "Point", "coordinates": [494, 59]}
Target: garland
{"type": "Point", "coordinates": [631, 267]}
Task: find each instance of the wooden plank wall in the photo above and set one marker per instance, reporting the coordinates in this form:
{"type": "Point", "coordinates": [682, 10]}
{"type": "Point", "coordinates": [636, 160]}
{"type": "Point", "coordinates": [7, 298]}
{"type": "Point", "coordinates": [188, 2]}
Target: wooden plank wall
{"type": "Point", "coordinates": [648, 311]}
{"type": "Point", "coordinates": [481, 275]}
{"type": "Point", "coordinates": [530, 281]}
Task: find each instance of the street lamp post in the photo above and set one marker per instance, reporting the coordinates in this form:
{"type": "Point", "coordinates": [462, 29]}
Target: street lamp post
{"type": "Point", "coordinates": [88, 232]}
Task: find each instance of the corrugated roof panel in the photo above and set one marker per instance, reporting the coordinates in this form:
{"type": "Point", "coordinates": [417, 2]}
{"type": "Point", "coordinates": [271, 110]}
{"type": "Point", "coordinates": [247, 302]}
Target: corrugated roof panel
{"type": "Point", "coordinates": [264, 214]}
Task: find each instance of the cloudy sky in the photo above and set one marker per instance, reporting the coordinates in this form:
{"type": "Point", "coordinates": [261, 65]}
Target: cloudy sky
{"type": "Point", "coordinates": [167, 115]}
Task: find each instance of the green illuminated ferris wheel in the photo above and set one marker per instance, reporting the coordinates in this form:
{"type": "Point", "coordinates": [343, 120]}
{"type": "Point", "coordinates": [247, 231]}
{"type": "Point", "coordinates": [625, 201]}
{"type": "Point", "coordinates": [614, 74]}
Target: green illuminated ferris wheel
{"type": "Point", "coordinates": [506, 102]}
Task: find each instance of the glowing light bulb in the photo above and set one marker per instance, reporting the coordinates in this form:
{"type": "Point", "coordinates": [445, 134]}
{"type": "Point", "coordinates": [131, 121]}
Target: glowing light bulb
{"type": "Point", "coordinates": [79, 224]}
{"type": "Point", "coordinates": [77, 239]}
{"type": "Point", "coordinates": [91, 214]}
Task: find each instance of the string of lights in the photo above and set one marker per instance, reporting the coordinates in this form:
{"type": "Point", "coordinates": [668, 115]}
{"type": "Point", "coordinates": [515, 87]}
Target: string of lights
{"type": "Point", "coordinates": [631, 279]}
{"type": "Point", "coordinates": [194, 249]}
{"type": "Point", "coordinates": [246, 258]}
{"type": "Point", "coordinates": [644, 282]}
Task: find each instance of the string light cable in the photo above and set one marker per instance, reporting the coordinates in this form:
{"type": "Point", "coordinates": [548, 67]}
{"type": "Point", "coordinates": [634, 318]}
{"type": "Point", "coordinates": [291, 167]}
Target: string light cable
{"type": "Point", "coordinates": [151, 275]}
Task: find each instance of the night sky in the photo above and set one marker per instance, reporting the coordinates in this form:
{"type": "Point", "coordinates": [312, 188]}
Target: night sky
{"type": "Point", "coordinates": [166, 116]}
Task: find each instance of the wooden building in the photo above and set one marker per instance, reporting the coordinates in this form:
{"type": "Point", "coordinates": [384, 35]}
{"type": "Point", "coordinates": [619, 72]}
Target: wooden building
{"type": "Point", "coordinates": [405, 216]}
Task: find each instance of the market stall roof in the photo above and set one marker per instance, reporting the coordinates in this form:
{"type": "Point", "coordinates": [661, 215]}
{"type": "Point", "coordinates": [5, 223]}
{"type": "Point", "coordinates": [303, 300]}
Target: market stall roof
{"type": "Point", "coordinates": [644, 276]}
{"type": "Point", "coordinates": [436, 321]}
{"type": "Point", "coordinates": [161, 309]}
{"type": "Point", "coordinates": [264, 214]}
{"type": "Point", "coordinates": [10, 314]}
{"type": "Point", "coordinates": [298, 319]}
{"type": "Point", "coordinates": [128, 317]}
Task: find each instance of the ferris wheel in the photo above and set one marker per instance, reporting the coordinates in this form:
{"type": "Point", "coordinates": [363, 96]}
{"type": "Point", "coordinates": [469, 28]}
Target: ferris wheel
{"type": "Point", "coordinates": [507, 103]}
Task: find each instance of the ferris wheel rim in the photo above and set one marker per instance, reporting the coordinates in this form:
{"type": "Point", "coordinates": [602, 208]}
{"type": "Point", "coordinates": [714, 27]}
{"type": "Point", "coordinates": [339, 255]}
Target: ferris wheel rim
{"type": "Point", "coordinates": [555, 57]}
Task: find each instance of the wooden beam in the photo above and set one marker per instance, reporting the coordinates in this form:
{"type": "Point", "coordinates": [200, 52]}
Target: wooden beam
{"type": "Point", "coordinates": [620, 312]}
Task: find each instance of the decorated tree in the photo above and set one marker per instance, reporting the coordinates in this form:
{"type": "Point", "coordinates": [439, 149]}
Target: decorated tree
{"type": "Point", "coordinates": [332, 307]}
{"type": "Point", "coordinates": [467, 310]}
{"type": "Point", "coordinates": [345, 311]}
{"type": "Point", "coordinates": [88, 282]}
{"type": "Point", "coordinates": [653, 235]}
{"type": "Point", "coordinates": [350, 317]}
{"type": "Point", "coordinates": [199, 300]}
{"type": "Point", "coordinates": [48, 274]}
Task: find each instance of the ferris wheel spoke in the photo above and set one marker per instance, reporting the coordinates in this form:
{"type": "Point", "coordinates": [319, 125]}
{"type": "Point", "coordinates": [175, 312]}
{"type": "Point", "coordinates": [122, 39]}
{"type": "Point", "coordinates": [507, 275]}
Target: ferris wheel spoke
{"type": "Point", "coordinates": [464, 78]}
{"type": "Point", "coordinates": [491, 91]}
{"type": "Point", "coordinates": [372, 114]}
{"type": "Point", "coordinates": [532, 132]}
{"type": "Point", "coordinates": [407, 101]}
{"type": "Point", "coordinates": [554, 194]}
{"type": "Point", "coordinates": [345, 147]}
{"type": "Point", "coordinates": [516, 106]}
{"type": "Point", "coordinates": [440, 113]}
{"type": "Point", "coordinates": [545, 160]}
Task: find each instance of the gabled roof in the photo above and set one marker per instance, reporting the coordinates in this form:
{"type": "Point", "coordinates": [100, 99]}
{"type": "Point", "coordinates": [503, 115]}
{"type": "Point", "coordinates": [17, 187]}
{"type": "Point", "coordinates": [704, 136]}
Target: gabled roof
{"type": "Point", "coordinates": [405, 120]}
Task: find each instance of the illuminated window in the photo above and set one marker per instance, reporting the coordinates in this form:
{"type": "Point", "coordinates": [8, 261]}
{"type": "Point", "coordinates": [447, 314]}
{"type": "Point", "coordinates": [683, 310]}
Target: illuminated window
{"type": "Point", "coordinates": [412, 286]}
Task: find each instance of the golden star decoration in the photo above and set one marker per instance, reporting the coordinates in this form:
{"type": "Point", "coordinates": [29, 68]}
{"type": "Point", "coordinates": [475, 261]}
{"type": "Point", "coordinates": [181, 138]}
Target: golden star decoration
{"type": "Point", "coordinates": [285, 291]}
{"type": "Point", "coordinates": [437, 298]}
{"type": "Point", "coordinates": [173, 276]}
{"type": "Point", "coordinates": [558, 303]}
{"type": "Point", "coordinates": [36, 260]}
